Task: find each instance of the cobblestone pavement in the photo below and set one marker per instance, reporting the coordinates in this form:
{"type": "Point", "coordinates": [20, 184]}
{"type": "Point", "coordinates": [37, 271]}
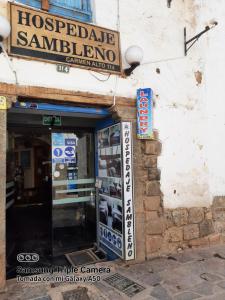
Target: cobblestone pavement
{"type": "Point", "coordinates": [192, 274]}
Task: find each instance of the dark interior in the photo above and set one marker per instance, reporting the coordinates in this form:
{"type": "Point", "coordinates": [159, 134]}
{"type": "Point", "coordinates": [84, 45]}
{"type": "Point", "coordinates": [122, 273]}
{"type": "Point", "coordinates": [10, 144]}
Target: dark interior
{"type": "Point", "coordinates": [31, 218]}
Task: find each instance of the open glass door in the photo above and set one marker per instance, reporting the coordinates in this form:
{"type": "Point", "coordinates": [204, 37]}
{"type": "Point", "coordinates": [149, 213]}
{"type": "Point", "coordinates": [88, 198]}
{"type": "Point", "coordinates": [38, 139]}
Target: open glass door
{"type": "Point", "coordinates": [73, 191]}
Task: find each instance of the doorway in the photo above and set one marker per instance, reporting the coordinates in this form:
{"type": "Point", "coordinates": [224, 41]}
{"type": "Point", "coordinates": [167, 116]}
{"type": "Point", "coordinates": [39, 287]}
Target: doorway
{"type": "Point", "coordinates": [51, 180]}
{"type": "Point", "coordinates": [73, 191]}
{"type": "Point", "coordinates": [28, 218]}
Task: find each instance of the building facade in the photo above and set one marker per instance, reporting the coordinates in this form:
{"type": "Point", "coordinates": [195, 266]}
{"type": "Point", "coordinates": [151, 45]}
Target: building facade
{"type": "Point", "coordinates": [178, 176]}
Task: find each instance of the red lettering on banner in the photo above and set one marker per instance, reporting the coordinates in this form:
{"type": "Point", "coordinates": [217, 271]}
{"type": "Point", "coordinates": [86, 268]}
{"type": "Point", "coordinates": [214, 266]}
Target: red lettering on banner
{"type": "Point", "coordinates": [143, 129]}
{"type": "Point", "coordinates": [144, 111]}
{"type": "Point", "coordinates": [143, 105]}
{"type": "Point", "coordinates": [144, 100]}
{"type": "Point", "coordinates": [142, 118]}
{"type": "Point", "coordinates": [143, 124]}
{"type": "Point", "coordinates": [142, 94]}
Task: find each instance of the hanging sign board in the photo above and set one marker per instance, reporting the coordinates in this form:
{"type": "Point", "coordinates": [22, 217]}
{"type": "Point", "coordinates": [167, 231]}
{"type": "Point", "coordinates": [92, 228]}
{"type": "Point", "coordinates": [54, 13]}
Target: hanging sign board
{"type": "Point", "coordinates": [39, 35]}
{"type": "Point", "coordinates": [128, 192]}
{"type": "Point", "coordinates": [144, 114]}
{"type": "Point", "coordinates": [115, 190]}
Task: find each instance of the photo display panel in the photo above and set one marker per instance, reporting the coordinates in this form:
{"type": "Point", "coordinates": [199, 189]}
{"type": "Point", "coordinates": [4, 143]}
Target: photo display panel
{"type": "Point", "coordinates": [116, 225]}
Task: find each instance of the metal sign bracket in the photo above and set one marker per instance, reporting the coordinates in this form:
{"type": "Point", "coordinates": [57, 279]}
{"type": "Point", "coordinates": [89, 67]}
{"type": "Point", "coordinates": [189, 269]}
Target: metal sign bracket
{"type": "Point", "coordinates": [189, 43]}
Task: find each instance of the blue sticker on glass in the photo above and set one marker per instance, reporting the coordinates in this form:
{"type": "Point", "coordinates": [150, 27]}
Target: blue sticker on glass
{"type": "Point", "coordinates": [70, 160]}
{"type": "Point", "coordinates": [57, 152]}
{"type": "Point", "coordinates": [70, 151]}
{"type": "Point", "coordinates": [70, 142]}
{"type": "Point", "coordinates": [58, 160]}
{"type": "Point", "coordinates": [58, 139]}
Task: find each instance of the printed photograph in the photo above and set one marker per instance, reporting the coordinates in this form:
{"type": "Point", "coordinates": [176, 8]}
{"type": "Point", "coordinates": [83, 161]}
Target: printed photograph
{"type": "Point", "coordinates": [111, 187]}
{"type": "Point", "coordinates": [109, 137]}
{"type": "Point", "coordinates": [110, 167]}
{"type": "Point", "coordinates": [109, 161]}
{"type": "Point", "coordinates": [110, 211]}
{"type": "Point", "coordinates": [114, 135]}
{"type": "Point", "coordinates": [103, 138]}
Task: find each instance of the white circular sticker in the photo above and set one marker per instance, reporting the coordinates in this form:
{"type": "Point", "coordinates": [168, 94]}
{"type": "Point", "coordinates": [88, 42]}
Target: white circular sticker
{"type": "Point", "coordinates": [56, 174]}
{"type": "Point", "coordinates": [61, 166]}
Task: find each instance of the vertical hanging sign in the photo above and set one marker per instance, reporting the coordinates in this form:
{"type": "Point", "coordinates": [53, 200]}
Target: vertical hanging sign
{"type": "Point", "coordinates": [144, 114]}
{"type": "Point", "coordinates": [129, 242]}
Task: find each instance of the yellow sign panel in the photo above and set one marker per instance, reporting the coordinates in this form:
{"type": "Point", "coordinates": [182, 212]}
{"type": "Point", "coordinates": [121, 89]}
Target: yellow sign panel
{"type": "Point", "coordinates": [3, 102]}
{"type": "Point", "coordinates": [47, 37]}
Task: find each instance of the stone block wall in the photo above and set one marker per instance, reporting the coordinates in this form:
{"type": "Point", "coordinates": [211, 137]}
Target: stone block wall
{"type": "Point", "coordinates": [218, 214]}
{"type": "Point", "coordinates": [169, 230]}
{"type": "Point", "coordinates": [188, 227]}
{"type": "Point", "coordinates": [158, 230]}
{"type": "Point", "coordinates": [153, 205]}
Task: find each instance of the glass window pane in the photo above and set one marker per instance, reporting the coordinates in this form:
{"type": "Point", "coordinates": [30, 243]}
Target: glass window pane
{"type": "Point", "coordinates": [68, 3]}
{"type": "Point", "coordinates": [73, 184]}
{"type": "Point", "coordinates": [76, 9]}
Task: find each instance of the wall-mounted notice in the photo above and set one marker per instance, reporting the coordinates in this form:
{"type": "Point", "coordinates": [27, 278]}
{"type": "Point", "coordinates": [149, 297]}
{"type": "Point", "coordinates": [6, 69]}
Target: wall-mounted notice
{"type": "Point", "coordinates": [144, 113]}
{"type": "Point", "coordinates": [63, 148]}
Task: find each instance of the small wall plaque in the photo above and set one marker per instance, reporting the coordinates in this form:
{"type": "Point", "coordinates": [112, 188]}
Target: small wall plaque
{"type": "Point", "coordinates": [63, 68]}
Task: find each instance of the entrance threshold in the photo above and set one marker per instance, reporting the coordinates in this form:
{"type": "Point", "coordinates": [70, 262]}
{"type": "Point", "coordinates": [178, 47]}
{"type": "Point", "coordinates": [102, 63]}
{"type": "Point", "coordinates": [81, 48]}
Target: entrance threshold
{"type": "Point", "coordinates": [86, 257]}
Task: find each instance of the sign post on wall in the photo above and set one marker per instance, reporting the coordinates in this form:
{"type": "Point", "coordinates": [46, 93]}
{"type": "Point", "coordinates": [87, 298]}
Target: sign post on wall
{"type": "Point", "coordinates": [144, 114]}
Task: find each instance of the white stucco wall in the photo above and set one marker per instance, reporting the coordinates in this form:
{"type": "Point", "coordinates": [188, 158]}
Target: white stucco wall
{"type": "Point", "coordinates": [190, 117]}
